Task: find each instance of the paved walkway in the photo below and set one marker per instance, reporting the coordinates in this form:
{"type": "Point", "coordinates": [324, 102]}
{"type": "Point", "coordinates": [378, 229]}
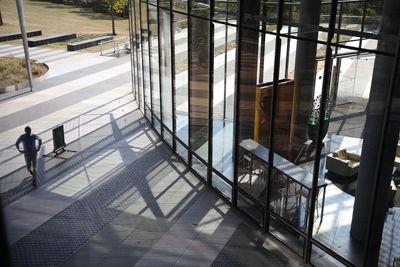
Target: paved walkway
{"type": "Point", "coordinates": [123, 199]}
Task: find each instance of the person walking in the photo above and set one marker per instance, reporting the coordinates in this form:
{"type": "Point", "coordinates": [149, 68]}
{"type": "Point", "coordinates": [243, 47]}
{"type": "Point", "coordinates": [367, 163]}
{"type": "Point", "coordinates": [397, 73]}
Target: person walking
{"type": "Point", "coordinates": [30, 150]}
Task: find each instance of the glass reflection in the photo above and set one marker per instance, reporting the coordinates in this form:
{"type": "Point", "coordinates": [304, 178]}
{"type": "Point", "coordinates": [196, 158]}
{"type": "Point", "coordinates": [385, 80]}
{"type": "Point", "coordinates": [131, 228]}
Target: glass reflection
{"type": "Point", "coordinates": [154, 61]}
{"type": "Point", "coordinates": [226, 11]}
{"type": "Point", "coordinates": [166, 68]}
{"type": "Point", "coordinates": [199, 86]}
{"type": "Point", "coordinates": [146, 59]}
{"type": "Point", "coordinates": [200, 8]}
{"type": "Point", "coordinates": [139, 55]}
{"type": "Point", "coordinates": [180, 5]}
{"type": "Point", "coordinates": [223, 98]}
{"type": "Point", "coordinates": [180, 37]}
{"type": "Point", "coordinates": [357, 82]}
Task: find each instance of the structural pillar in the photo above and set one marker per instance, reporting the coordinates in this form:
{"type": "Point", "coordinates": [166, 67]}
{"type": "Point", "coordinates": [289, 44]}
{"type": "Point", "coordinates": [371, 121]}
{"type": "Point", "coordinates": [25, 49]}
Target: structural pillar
{"type": "Point", "coordinates": [248, 68]}
{"type": "Point", "coordinates": [375, 172]}
{"type": "Point", "coordinates": [305, 69]}
{"type": "Point", "coordinates": [21, 17]}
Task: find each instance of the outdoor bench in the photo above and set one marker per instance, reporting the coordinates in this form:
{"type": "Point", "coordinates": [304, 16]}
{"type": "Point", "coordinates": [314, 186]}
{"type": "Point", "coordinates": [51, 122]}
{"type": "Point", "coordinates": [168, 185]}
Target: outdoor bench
{"type": "Point", "coordinates": [51, 39]}
{"type": "Point", "coordinates": [17, 35]}
{"type": "Point", "coordinates": [87, 43]}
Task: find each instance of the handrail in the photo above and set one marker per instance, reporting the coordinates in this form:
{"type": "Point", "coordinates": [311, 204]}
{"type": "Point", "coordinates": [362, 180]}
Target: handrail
{"type": "Point", "coordinates": [116, 45]}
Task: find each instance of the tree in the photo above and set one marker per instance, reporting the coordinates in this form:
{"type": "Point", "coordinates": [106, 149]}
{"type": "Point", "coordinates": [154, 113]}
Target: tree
{"type": "Point", "coordinates": [116, 7]}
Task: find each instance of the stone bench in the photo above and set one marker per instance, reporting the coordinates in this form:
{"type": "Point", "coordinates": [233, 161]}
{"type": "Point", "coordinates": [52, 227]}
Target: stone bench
{"type": "Point", "coordinates": [18, 35]}
{"type": "Point", "coordinates": [87, 43]}
{"type": "Point", "coordinates": [51, 39]}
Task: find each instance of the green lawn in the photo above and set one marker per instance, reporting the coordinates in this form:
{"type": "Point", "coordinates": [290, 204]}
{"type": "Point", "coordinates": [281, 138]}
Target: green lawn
{"type": "Point", "coordinates": [54, 19]}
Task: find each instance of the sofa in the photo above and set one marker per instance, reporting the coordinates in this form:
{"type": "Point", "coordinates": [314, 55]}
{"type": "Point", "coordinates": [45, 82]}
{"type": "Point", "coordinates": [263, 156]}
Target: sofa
{"type": "Point", "coordinates": [343, 163]}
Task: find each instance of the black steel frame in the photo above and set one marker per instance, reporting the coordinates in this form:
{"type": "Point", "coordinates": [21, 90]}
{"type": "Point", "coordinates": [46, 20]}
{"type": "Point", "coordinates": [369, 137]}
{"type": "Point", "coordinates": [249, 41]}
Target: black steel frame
{"type": "Point", "coordinates": [331, 30]}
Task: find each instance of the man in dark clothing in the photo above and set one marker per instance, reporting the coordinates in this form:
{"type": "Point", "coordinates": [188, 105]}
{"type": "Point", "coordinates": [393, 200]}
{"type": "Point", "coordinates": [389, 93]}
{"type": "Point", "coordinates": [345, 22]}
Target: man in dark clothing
{"type": "Point", "coordinates": [30, 151]}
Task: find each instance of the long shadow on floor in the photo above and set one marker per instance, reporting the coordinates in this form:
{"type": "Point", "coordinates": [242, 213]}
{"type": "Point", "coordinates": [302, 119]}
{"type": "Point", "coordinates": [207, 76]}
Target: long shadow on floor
{"type": "Point", "coordinates": [88, 146]}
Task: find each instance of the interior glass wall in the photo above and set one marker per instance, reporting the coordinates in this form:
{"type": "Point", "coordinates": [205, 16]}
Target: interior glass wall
{"type": "Point", "coordinates": [146, 59]}
{"type": "Point", "coordinates": [166, 68]}
{"type": "Point", "coordinates": [139, 55]}
{"type": "Point", "coordinates": [288, 109]}
{"type": "Point", "coordinates": [199, 88]}
{"type": "Point", "coordinates": [155, 67]}
{"type": "Point", "coordinates": [181, 80]}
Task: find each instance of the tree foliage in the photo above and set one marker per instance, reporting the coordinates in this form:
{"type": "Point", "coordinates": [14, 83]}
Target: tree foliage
{"type": "Point", "coordinates": [116, 7]}
{"type": "Point", "coordinates": [120, 7]}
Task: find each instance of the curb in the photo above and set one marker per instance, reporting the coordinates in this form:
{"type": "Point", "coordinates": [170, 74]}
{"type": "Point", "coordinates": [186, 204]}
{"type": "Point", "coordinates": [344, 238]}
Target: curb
{"type": "Point", "coordinates": [24, 84]}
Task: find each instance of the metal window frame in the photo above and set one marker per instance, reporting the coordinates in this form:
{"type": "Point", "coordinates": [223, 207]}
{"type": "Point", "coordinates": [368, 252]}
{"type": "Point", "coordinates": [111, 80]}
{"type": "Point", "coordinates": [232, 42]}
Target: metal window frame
{"type": "Point", "coordinates": [309, 240]}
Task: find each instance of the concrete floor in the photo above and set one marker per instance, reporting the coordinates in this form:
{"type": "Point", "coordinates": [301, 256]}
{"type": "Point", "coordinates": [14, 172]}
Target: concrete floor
{"type": "Point", "coordinates": [123, 198]}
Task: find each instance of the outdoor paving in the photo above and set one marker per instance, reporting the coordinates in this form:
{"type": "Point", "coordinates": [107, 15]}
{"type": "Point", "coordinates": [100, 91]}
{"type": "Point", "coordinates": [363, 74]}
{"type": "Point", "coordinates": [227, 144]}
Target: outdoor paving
{"type": "Point", "coordinates": [123, 199]}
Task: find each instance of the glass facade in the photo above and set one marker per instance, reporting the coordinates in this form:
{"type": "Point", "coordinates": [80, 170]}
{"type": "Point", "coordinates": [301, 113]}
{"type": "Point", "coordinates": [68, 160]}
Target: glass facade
{"type": "Point", "coordinates": [289, 109]}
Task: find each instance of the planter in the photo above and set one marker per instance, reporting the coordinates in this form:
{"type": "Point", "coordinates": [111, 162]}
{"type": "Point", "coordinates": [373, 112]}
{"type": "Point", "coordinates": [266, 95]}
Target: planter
{"type": "Point", "coordinates": [23, 84]}
{"type": "Point", "coordinates": [312, 130]}
{"type": "Point", "coordinates": [313, 121]}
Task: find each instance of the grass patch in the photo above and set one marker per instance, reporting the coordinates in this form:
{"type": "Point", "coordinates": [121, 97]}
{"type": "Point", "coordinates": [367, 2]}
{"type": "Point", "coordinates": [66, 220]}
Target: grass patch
{"type": "Point", "coordinates": [13, 70]}
{"type": "Point", "coordinates": [54, 19]}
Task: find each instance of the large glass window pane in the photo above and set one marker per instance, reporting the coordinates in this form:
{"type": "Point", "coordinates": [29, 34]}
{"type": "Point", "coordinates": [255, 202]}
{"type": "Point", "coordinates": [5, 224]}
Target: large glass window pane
{"type": "Point", "coordinates": [254, 211]}
{"type": "Point", "coordinates": [319, 257]}
{"type": "Point", "coordinates": [223, 187]}
{"type": "Point", "coordinates": [155, 71]}
{"type": "Point", "coordinates": [358, 89]}
{"type": "Point", "coordinates": [199, 86]}
{"type": "Point", "coordinates": [287, 235]}
{"type": "Point", "coordinates": [146, 60]}
{"type": "Point", "coordinates": [166, 68]}
{"type": "Point", "coordinates": [168, 137]}
{"type": "Point", "coordinates": [157, 124]}
{"type": "Point", "coordinates": [180, 39]}
{"type": "Point", "coordinates": [259, 14]}
{"type": "Point", "coordinates": [226, 11]}
{"type": "Point", "coordinates": [139, 55]}
{"type": "Point", "coordinates": [164, 3]}
{"type": "Point", "coordinates": [199, 167]}
{"type": "Point", "coordinates": [180, 5]}
{"type": "Point", "coordinates": [252, 169]}
{"type": "Point", "coordinates": [200, 8]}
{"type": "Point", "coordinates": [358, 138]}
{"type": "Point", "coordinates": [343, 129]}
{"type": "Point", "coordinates": [294, 138]}
{"type": "Point", "coordinates": [182, 151]}
{"type": "Point", "coordinates": [223, 98]}
{"type": "Point", "coordinates": [133, 50]}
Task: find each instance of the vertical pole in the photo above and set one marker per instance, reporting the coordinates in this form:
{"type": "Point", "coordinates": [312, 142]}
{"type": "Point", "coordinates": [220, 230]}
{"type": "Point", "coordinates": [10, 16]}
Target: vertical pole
{"type": "Point", "coordinates": [339, 27]}
{"type": "Point", "coordinates": [189, 56]}
{"type": "Point", "coordinates": [262, 51]}
{"type": "Point", "coordinates": [150, 65]}
{"type": "Point", "coordinates": [210, 93]}
{"type": "Point", "coordinates": [288, 43]}
{"type": "Point", "coordinates": [235, 153]}
{"type": "Point", "coordinates": [131, 46]}
{"type": "Point", "coordinates": [21, 18]}
{"type": "Point", "coordinates": [305, 70]}
{"type": "Point", "coordinates": [278, 44]}
{"type": "Point", "coordinates": [324, 95]}
{"type": "Point", "coordinates": [225, 63]}
{"type": "Point", "coordinates": [172, 51]}
{"type": "Point", "coordinates": [363, 22]}
{"type": "Point", "coordinates": [160, 67]}
{"type": "Point", "coordinates": [390, 133]}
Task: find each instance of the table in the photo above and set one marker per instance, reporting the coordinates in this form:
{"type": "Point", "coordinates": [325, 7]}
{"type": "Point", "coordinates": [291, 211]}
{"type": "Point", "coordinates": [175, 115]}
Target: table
{"type": "Point", "coordinates": [292, 171]}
